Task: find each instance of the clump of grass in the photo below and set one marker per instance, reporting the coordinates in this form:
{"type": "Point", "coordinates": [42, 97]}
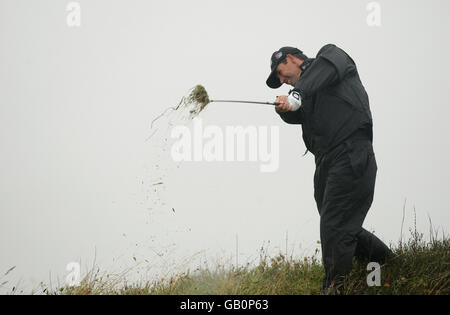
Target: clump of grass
{"type": "Point", "coordinates": [95, 283]}
{"type": "Point", "coordinates": [198, 97]}
{"type": "Point", "coordinates": [418, 267]}
{"type": "Point", "coordinates": [272, 276]}
{"type": "Point", "coordinates": [189, 106]}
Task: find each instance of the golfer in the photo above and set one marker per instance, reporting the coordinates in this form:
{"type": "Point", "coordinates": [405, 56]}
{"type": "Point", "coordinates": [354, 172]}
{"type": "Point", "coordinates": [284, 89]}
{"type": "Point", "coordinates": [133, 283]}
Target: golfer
{"type": "Point", "coordinates": [330, 102]}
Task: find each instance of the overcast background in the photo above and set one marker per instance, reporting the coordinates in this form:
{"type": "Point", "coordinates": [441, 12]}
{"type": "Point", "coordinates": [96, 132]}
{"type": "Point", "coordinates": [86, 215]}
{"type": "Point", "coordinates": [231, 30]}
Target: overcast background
{"type": "Point", "coordinates": [77, 103]}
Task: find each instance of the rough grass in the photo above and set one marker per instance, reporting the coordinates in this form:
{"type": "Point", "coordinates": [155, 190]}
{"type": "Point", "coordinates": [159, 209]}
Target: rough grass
{"type": "Point", "coordinates": [420, 267]}
{"type": "Point", "coordinates": [199, 97]}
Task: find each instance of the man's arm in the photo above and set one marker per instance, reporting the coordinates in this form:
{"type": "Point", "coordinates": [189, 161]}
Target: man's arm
{"type": "Point", "coordinates": [331, 66]}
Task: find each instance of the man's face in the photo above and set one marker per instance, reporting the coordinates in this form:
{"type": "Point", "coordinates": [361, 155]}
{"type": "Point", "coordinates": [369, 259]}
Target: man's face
{"type": "Point", "coordinates": [289, 71]}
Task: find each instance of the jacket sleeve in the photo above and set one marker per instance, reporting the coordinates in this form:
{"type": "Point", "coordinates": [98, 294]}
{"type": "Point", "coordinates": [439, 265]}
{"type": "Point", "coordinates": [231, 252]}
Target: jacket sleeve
{"type": "Point", "coordinates": [293, 118]}
{"type": "Point", "coordinates": [331, 66]}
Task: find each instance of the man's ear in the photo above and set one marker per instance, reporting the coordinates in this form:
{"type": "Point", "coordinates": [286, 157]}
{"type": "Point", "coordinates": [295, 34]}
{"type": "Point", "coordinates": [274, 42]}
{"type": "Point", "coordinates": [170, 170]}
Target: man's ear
{"type": "Point", "coordinates": [292, 58]}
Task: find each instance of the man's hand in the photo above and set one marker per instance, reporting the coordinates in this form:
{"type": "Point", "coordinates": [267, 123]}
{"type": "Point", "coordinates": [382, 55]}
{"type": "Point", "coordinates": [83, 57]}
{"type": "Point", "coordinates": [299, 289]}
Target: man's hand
{"type": "Point", "coordinates": [289, 103]}
{"type": "Point", "coordinates": [284, 104]}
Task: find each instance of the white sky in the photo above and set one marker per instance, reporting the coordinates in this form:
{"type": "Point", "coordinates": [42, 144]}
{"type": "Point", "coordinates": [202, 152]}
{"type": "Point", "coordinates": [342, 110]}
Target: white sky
{"type": "Point", "coordinates": [76, 106]}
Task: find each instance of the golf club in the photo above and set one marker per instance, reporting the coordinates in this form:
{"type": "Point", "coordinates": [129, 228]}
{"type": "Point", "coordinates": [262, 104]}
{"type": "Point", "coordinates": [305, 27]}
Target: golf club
{"type": "Point", "coordinates": [227, 101]}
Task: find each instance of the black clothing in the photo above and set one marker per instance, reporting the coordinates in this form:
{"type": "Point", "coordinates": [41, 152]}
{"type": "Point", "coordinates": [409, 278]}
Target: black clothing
{"type": "Point", "coordinates": [344, 184]}
{"type": "Point", "coordinates": [334, 101]}
{"type": "Point", "coordinates": [337, 128]}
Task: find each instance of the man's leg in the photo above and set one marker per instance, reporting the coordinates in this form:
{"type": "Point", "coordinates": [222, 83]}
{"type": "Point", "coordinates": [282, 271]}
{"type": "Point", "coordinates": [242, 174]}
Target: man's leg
{"type": "Point", "coordinates": [347, 197]}
{"type": "Point", "coordinates": [371, 248]}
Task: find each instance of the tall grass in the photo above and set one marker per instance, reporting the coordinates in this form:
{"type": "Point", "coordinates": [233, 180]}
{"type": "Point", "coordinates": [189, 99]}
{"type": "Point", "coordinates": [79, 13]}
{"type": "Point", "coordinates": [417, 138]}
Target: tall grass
{"type": "Point", "coordinates": [419, 267]}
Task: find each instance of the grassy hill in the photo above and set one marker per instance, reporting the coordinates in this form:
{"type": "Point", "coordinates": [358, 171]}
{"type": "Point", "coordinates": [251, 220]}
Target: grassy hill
{"type": "Point", "coordinates": [420, 267]}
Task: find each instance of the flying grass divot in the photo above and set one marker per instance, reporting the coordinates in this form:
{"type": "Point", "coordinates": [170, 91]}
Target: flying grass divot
{"type": "Point", "coordinates": [160, 141]}
{"type": "Point", "coordinates": [199, 99]}
{"type": "Point", "coordinates": [187, 109]}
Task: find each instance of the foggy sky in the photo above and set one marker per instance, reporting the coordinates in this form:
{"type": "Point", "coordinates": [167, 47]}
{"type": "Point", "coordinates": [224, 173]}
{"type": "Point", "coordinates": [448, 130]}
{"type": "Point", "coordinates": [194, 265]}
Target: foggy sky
{"type": "Point", "coordinates": [77, 103]}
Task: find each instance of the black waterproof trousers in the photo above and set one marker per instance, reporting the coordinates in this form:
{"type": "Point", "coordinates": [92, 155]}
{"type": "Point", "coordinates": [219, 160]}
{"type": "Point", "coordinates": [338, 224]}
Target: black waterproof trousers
{"type": "Point", "coordinates": [344, 184]}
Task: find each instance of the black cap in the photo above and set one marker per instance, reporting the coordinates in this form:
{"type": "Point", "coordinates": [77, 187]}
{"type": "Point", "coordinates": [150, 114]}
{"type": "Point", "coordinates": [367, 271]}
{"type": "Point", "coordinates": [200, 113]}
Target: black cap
{"type": "Point", "coordinates": [277, 57]}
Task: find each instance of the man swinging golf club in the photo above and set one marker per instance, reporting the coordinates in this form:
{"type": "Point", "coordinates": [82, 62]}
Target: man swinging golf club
{"type": "Point", "coordinates": [330, 102]}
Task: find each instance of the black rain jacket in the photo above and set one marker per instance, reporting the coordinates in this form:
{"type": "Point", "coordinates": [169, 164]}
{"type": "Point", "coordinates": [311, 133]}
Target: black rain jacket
{"type": "Point", "coordinates": [334, 102]}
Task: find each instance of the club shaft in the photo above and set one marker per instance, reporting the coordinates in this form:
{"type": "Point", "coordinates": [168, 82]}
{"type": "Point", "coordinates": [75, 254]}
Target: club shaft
{"type": "Point", "coordinates": [249, 102]}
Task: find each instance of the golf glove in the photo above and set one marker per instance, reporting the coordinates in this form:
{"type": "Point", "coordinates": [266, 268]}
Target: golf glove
{"type": "Point", "coordinates": [295, 100]}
